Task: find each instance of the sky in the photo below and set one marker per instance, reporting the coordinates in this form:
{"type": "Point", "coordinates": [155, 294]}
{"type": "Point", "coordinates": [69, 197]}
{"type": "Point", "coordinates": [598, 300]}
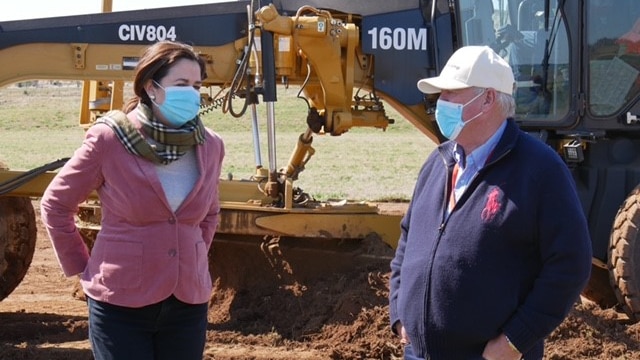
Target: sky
{"type": "Point", "coordinates": [33, 9]}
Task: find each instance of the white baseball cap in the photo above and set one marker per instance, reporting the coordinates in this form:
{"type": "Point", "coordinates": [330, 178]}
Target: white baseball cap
{"type": "Point", "coordinates": [472, 66]}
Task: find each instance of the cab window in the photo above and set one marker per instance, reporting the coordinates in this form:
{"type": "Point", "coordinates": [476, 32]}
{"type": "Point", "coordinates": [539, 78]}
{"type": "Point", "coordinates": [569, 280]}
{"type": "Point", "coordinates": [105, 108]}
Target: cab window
{"type": "Point", "coordinates": [613, 36]}
{"type": "Point", "coordinates": [538, 55]}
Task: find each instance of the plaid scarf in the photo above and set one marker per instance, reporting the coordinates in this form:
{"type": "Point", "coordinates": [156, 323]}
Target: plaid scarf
{"type": "Point", "coordinates": [166, 145]}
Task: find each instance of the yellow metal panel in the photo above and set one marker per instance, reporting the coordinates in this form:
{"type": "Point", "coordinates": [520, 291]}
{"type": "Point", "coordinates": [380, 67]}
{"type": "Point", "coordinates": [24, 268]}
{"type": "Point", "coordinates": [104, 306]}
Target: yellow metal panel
{"type": "Point", "coordinates": [340, 226]}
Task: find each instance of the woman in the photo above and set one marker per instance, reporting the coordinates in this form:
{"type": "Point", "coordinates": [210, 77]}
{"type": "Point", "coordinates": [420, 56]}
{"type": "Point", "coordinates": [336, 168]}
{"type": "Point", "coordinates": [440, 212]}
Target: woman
{"type": "Point", "coordinates": [155, 168]}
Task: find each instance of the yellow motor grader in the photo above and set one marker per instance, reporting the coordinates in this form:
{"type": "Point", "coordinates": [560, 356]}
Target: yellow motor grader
{"type": "Point", "coordinates": [576, 66]}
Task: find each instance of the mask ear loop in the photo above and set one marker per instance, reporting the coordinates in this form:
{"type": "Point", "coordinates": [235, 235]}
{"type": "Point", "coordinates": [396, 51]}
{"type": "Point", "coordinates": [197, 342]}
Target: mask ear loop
{"type": "Point", "coordinates": [484, 90]}
{"type": "Point", "coordinates": [153, 97]}
{"type": "Point", "coordinates": [160, 86]}
{"type": "Point", "coordinates": [478, 114]}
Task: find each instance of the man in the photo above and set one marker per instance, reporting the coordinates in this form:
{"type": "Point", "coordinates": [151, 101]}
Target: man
{"type": "Point", "coordinates": [494, 249]}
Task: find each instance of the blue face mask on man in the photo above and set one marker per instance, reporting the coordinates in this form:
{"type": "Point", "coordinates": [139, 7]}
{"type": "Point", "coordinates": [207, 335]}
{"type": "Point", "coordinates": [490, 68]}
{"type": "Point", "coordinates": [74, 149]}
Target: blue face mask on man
{"type": "Point", "coordinates": [449, 117]}
{"type": "Point", "coordinates": [181, 104]}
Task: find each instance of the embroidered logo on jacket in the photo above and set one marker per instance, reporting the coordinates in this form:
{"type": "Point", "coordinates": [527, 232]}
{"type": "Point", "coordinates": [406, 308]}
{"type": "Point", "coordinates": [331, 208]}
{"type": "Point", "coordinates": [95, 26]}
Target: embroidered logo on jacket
{"type": "Point", "coordinates": [493, 205]}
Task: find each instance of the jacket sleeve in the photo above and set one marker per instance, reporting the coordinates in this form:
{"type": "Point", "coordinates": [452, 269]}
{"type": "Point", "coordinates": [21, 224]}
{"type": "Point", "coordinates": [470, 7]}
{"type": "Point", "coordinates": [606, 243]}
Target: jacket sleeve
{"type": "Point", "coordinates": [210, 222]}
{"type": "Point", "coordinates": [565, 251]}
{"type": "Point", "coordinates": [59, 205]}
{"type": "Point", "coordinates": [396, 264]}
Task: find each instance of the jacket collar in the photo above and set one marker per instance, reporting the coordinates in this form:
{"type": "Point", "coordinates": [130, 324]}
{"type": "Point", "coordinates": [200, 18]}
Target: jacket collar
{"type": "Point", "coordinates": [505, 144]}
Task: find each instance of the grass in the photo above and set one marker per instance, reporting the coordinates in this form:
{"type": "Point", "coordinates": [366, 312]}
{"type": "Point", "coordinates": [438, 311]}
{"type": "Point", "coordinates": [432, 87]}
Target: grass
{"type": "Point", "coordinates": [39, 125]}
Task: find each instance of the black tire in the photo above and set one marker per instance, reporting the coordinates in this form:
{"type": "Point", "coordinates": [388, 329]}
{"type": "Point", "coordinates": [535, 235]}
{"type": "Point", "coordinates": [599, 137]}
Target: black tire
{"type": "Point", "coordinates": [624, 255]}
{"type": "Point", "coordinates": [17, 241]}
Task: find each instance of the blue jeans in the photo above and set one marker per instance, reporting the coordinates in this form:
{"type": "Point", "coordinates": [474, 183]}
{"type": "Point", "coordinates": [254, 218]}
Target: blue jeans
{"type": "Point", "coordinates": [167, 330]}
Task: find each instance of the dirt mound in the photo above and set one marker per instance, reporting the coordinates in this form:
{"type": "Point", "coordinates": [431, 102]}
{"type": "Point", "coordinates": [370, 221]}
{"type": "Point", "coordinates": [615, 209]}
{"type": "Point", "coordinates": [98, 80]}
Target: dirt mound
{"type": "Point", "coordinates": [280, 300]}
{"type": "Point", "coordinates": [590, 332]}
{"type": "Point", "coordinates": [305, 296]}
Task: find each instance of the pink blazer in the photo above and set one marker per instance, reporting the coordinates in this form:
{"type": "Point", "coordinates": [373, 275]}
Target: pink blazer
{"type": "Point", "coordinates": [144, 251]}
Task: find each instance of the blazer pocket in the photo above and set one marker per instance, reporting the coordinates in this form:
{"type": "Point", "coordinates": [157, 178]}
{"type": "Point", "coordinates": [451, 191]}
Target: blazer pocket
{"type": "Point", "coordinates": [121, 267]}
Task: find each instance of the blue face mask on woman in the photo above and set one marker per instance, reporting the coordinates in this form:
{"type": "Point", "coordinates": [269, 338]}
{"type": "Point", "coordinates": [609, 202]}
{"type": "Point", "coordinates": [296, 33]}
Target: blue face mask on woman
{"type": "Point", "coordinates": [181, 104]}
{"type": "Point", "coordinates": [449, 117]}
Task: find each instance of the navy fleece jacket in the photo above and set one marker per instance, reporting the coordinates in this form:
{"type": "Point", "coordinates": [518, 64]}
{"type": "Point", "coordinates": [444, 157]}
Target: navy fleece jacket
{"type": "Point", "coordinates": [513, 255]}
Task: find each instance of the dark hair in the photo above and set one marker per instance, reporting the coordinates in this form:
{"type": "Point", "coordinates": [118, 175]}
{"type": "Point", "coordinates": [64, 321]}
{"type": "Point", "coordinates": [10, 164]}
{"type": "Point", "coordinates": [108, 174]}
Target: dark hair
{"type": "Point", "coordinates": [154, 64]}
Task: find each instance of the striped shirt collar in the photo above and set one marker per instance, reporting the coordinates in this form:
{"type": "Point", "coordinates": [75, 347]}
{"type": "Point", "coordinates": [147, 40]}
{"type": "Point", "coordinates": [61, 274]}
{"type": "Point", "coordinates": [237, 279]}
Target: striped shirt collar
{"type": "Point", "coordinates": [478, 157]}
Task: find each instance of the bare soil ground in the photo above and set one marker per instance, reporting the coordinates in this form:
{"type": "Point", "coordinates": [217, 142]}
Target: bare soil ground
{"type": "Point", "coordinates": [278, 303]}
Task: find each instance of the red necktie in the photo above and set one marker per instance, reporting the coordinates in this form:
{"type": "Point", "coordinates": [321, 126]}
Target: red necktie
{"type": "Point", "coordinates": [454, 179]}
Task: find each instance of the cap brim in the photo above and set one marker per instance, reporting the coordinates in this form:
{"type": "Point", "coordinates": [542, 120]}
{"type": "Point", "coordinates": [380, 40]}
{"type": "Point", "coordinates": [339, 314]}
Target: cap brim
{"type": "Point", "coordinates": [437, 84]}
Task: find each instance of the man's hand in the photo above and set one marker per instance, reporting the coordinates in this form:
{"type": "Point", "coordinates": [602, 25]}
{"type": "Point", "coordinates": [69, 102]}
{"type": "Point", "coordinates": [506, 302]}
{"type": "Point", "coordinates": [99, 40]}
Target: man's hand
{"type": "Point", "coordinates": [499, 348]}
{"type": "Point", "coordinates": [404, 339]}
